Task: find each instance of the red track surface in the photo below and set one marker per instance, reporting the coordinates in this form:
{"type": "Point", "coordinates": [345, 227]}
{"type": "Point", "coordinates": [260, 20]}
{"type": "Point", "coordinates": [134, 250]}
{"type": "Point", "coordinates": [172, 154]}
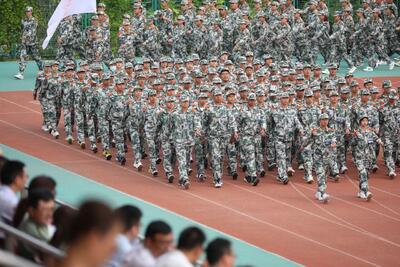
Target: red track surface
{"type": "Point", "coordinates": [286, 220]}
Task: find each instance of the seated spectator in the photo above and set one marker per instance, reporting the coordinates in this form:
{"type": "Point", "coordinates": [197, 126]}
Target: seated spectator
{"type": "Point", "coordinates": [13, 177]}
{"type": "Point", "coordinates": [38, 182]}
{"type": "Point", "coordinates": [62, 219]}
{"type": "Point", "coordinates": [129, 218]}
{"type": "Point", "coordinates": [91, 236]}
{"type": "Point", "coordinates": [39, 221]}
{"type": "Point", "coordinates": [220, 254]}
{"type": "Point", "coordinates": [158, 240]}
{"type": "Point", "coordinates": [189, 250]}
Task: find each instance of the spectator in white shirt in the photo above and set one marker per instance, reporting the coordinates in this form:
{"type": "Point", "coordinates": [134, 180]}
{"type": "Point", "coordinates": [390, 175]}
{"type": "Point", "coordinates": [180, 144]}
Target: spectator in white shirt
{"type": "Point", "coordinates": [129, 217]}
{"type": "Point", "coordinates": [189, 250]}
{"type": "Point", "coordinates": [158, 240]}
{"type": "Point", "coordinates": [13, 180]}
{"type": "Point", "coordinates": [219, 253]}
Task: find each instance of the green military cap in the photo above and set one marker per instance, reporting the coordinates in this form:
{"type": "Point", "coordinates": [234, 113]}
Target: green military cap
{"type": "Point", "coordinates": [274, 78]}
{"type": "Point", "coordinates": [212, 71]}
{"type": "Point", "coordinates": [299, 66]}
{"type": "Point", "coordinates": [334, 93]}
{"type": "Point", "coordinates": [300, 77]}
{"type": "Point", "coordinates": [95, 17]}
{"type": "Point", "coordinates": [69, 68]}
{"type": "Point", "coordinates": [308, 93]}
{"type": "Point", "coordinates": [233, 1]}
{"type": "Point", "coordinates": [316, 88]}
{"type": "Point", "coordinates": [353, 83]}
{"type": "Point", "coordinates": [260, 92]}
{"type": "Point", "coordinates": [272, 92]}
{"type": "Point", "coordinates": [47, 63]}
{"type": "Point", "coordinates": [337, 13]}
{"type": "Point", "coordinates": [392, 94]}
{"type": "Point", "coordinates": [284, 73]}
{"type": "Point", "coordinates": [376, 10]}
{"type": "Point", "coordinates": [217, 91]}
{"type": "Point", "coordinates": [368, 80]}
{"type": "Point", "coordinates": [341, 80]}
{"type": "Point", "coordinates": [170, 76]}
{"type": "Point", "coordinates": [345, 90]}
{"type": "Point", "coordinates": [28, 9]}
{"type": "Point", "coordinates": [184, 97]}
{"type": "Point", "coordinates": [217, 80]}
{"type": "Point", "coordinates": [203, 95]}
{"type": "Point", "coordinates": [186, 80]}
{"type": "Point", "coordinates": [267, 56]}
{"type": "Point", "coordinates": [386, 84]}
{"type": "Point", "coordinates": [360, 10]}
{"type": "Point", "coordinates": [364, 92]}
{"type": "Point", "coordinates": [256, 62]}
{"type": "Point", "coordinates": [101, 5]}
{"type": "Point", "coordinates": [128, 65]}
{"type": "Point", "coordinates": [307, 66]}
{"type": "Point", "coordinates": [374, 90]}
{"type": "Point", "coordinates": [300, 87]}
{"type": "Point", "coordinates": [77, 71]}
{"type": "Point", "coordinates": [170, 99]}
{"type": "Point", "coordinates": [284, 95]}
{"type": "Point", "coordinates": [106, 76]}
{"type": "Point", "coordinates": [249, 54]}
{"type": "Point", "coordinates": [198, 74]}
{"type": "Point", "coordinates": [204, 62]}
{"type": "Point", "coordinates": [260, 14]}
{"type": "Point", "coordinates": [324, 116]}
{"type": "Point", "coordinates": [332, 66]}
{"type": "Point", "coordinates": [119, 81]}
{"type": "Point", "coordinates": [157, 82]}
{"type": "Point", "coordinates": [291, 91]}
{"type": "Point", "coordinates": [252, 96]}
{"type": "Point", "coordinates": [101, 12]}
{"type": "Point", "coordinates": [152, 93]}
{"type": "Point", "coordinates": [349, 74]}
{"type": "Point", "coordinates": [55, 62]}
{"type": "Point", "coordinates": [363, 116]}
{"type": "Point", "coordinates": [243, 79]}
{"type": "Point", "coordinates": [94, 77]}
{"type": "Point", "coordinates": [316, 67]}
{"type": "Point", "coordinates": [243, 88]}
{"type": "Point", "coordinates": [230, 92]}
{"type": "Point", "coordinates": [204, 88]}
{"type": "Point", "coordinates": [260, 73]}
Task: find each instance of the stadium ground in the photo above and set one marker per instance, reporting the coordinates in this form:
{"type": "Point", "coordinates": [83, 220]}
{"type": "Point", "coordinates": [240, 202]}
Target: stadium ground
{"type": "Point", "coordinates": [271, 225]}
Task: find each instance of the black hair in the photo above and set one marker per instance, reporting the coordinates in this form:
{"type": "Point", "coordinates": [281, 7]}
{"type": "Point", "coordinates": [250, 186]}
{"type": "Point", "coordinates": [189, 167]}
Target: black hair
{"type": "Point", "coordinates": [10, 171]}
{"type": "Point", "coordinates": [42, 182]}
{"type": "Point", "coordinates": [35, 196]}
{"type": "Point", "coordinates": [216, 249]}
{"type": "Point", "coordinates": [191, 238]}
{"type": "Point", "coordinates": [3, 161]}
{"type": "Point", "coordinates": [93, 216]}
{"type": "Point", "coordinates": [129, 216]}
{"type": "Point", "coordinates": [157, 227]}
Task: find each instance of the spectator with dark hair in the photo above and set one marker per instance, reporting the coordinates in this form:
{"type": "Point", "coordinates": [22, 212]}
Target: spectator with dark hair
{"type": "Point", "coordinates": [13, 179]}
{"type": "Point", "coordinates": [220, 254]}
{"type": "Point", "coordinates": [189, 249]}
{"type": "Point", "coordinates": [62, 218]}
{"type": "Point", "coordinates": [38, 182]}
{"type": "Point", "coordinates": [129, 217]}
{"type": "Point", "coordinates": [91, 236]}
{"type": "Point", "coordinates": [3, 161]}
{"type": "Point", "coordinates": [158, 240]}
{"type": "Point", "coordinates": [39, 221]}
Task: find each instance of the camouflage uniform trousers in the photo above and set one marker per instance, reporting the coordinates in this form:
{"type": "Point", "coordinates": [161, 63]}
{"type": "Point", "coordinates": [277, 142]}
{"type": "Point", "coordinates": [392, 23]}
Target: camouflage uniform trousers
{"type": "Point", "coordinates": [183, 156]}
{"type": "Point", "coordinates": [302, 53]}
{"type": "Point", "coordinates": [389, 140]}
{"type": "Point", "coordinates": [168, 155]}
{"type": "Point", "coordinates": [151, 139]}
{"type": "Point", "coordinates": [307, 154]}
{"type": "Point", "coordinates": [363, 168]}
{"type": "Point", "coordinates": [322, 164]}
{"type": "Point", "coordinates": [283, 156]}
{"type": "Point", "coordinates": [376, 46]}
{"type": "Point", "coordinates": [26, 50]}
{"type": "Point", "coordinates": [232, 153]}
{"type": "Point", "coordinates": [64, 53]}
{"type": "Point", "coordinates": [104, 131]}
{"type": "Point", "coordinates": [341, 149]}
{"type": "Point", "coordinates": [80, 125]}
{"type": "Point", "coordinates": [217, 149]}
{"type": "Point", "coordinates": [260, 151]}
{"type": "Point", "coordinates": [271, 150]}
{"type": "Point", "coordinates": [67, 110]}
{"type": "Point", "coordinates": [42, 102]}
{"type": "Point", "coordinates": [119, 136]}
{"type": "Point", "coordinates": [49, 113]}
{"type": "Point", "coordinates": [58, 105]}
{"type": "Point", "coordinates": [200, 150]}
{"type": "Point", "coordinates": [248, 147]}
{"type": "Point", "coordinates": [90, 122]}
{"type": "Point", "coordinates": [339, 52]}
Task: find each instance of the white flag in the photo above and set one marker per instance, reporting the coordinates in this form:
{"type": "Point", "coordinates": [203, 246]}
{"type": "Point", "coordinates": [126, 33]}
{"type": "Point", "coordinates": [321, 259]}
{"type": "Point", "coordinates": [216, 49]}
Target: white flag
{"type": "Point", "coordinates": [64, 9]}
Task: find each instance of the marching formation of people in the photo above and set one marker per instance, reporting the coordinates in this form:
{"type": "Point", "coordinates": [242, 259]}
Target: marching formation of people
{"type": "Point", "coordinates": [216, 86]}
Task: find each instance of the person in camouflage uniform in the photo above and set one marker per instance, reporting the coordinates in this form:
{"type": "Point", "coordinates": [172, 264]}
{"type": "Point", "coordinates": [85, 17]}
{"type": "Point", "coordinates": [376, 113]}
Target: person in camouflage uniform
{"type": "Point", "coordinates": [360, 39]}
{"type": "Point", "coordinates": [232, 146]}
{"type": "Point", "coordinates": [65, 40]}
{"type": "Point", "coordinates": [182, 124]}
{"type": "Point", "coordinates": [28, 44]}
{"type": "Point", "coordinates": [127, 41]}
{"type": "Point", "coordinates": [90, 110]}
{"type": "Point", "coordinates": [215, 39]}
{"type": "Point", "coordinates": [282, 41]}
{"type": "Point", "coordinates": [300, 39]}
{"type": "Point", "coordinates": [339, 121]}
{"type": "Point", "coordinates": [117, 114]}
{"type": "Point", "coordinates": [67, 92]}
{"type": "Point", "coordinates": [389, 27]}
{"type": "Point", "coordinates": [198, 37]}
{"type": "Point", "coordinates": [138, 23]}
{"type": "Point", "coordinates": [151, 43]}
{"type": "Point", "coordinates": [285, 122]}
{"type": "Point", "coordinates": [179, 39]}
{"type": "Point", "coordinates": [102, 99]}
{"type": "Point", "coordinates": [309, 117]}
{"type": "Point", "coordinates": [79, 106]}
{"type": "Point", "coordinates": [221, 128]}
{"type": "Point", "coordinates": [364, 139]}
{"type": "Point", "coordinates": [167, 142]}
{"type": "Point", "coordinates": [390, 130]}
{"type": "Point", "coordinates": [323, 141]}
{"type": "Point", "coordinates": [251, 126]}
{"type": "Point", "coordinates": [338, 43]}
{"type": "Point", "coordinates": [151, 123]}
{"type": "Point", "coordinates": [39, 92]}
{"type": "Point", "coordinates": [200, 142]}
